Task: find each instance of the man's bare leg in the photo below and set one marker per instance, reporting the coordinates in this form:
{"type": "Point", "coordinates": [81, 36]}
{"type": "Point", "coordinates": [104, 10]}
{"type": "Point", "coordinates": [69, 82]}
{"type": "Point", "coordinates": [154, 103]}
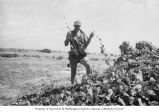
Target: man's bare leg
{"type": "Point", "coordinates": [73, 72]}
{"type": "Point", "coordinates": [84, 61]}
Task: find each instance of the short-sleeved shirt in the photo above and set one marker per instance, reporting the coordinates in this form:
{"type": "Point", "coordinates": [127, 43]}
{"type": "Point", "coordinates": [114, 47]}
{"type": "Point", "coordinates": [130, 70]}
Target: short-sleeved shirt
{"type": "Point", "coordinates": [78, 40]}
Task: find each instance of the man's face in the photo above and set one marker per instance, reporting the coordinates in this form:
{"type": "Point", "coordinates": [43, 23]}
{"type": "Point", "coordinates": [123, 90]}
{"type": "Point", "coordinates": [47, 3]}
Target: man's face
{"type": "Point", "coordinates": [157, 66]}
{"type": "Point", "coordinates": [77, 27]}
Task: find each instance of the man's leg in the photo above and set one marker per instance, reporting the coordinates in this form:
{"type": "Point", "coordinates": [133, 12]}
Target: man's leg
{"type": "Point", "coordinates": [73, 64]}
{"type": "Point", "coordinates": [84, 61]}
{"type": "Point", "coordinates": [73, 72]}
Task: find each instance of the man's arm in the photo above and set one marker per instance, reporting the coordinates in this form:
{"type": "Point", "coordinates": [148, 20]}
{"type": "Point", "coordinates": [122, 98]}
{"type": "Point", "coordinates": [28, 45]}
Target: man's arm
{"type": "Point", "coordinates": [67, 39]}
{"type": "Point", "coordinates": [66, 42]}
{"type": "Point", "coordinates": [89, 39]}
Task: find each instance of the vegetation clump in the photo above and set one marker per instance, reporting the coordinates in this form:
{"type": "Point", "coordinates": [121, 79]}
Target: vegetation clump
{"type": "Point", "coordinates": [132, 80]}
{"type": "Point", "coordinates": [8, 55]}
{"type": "Point", "coordinates": [46, 51]}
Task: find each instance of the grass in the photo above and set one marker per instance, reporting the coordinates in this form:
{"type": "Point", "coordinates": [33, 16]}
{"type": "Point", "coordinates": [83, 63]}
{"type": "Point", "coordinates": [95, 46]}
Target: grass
{"type": "Point", "coordinates": [25, 72]}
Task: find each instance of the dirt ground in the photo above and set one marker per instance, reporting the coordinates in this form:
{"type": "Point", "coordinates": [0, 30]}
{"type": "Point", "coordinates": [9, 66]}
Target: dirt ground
{"type": "Point", "coordinates": [31, 70]}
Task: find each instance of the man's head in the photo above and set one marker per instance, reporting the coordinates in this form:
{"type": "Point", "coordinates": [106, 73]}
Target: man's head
{"type": "Point", "coordinates": [77, 25]}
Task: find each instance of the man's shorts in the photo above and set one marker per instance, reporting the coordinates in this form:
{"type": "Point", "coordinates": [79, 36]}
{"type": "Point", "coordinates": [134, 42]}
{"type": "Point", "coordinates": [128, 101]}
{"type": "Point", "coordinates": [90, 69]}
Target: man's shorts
{"type": "Point", "coordinates": [74, 59]}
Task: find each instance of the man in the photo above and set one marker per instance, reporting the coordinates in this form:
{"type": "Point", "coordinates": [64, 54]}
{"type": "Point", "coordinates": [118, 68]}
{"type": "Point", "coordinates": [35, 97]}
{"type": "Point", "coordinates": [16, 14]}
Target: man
{"type": "Point", "coordinates": [78, 44]}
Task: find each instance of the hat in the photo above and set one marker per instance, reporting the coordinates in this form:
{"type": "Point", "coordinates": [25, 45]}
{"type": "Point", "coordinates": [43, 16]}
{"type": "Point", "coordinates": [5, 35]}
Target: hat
{"type": "Point", "coordinates": [77, 23]}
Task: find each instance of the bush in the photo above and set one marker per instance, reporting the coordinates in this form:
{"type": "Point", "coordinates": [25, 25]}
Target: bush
{"type": "Point", "coordinates": [143, 45]}
{"type": "Point", "coordinates": [8, 55]}
{"type": "Point", "coordinates": [2, 50]}
{"type": "Point", "coordinates": [46, 51]}
{"type": "Point", "coordinates": [59, 57]}
{"type": "Point", "coordinates": [125, 47]}
{"type": "Point", "coordinates": [53, 56]}
{"type": "Point", "coordinates": [36, 56]}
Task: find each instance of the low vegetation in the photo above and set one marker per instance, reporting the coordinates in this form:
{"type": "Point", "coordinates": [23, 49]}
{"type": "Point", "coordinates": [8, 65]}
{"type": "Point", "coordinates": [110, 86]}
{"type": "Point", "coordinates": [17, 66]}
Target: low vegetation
{"type": "Point", "coordinates": [132, 80]}
{"type": "Point", "coordinates": [46, 51]}
{"type": "Point", "coordinates": [9, 55]}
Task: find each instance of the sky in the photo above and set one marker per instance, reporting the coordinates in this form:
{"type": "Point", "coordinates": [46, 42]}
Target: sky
{"type": "Point", "coordinates": [38, 24]}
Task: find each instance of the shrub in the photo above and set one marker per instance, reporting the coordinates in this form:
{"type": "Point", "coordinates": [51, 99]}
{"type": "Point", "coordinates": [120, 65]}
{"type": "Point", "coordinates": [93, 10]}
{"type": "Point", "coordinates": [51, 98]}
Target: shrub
{"type": "Point", "coordinates": [2, 50]}
{"type": "Point", "coordinates": [36, 56]}
{"type": "Point", "coordinates": [59, 57]}
{"type": "Point", "coordinates": [53, 56]}
{"type": "Point", "coordinates": [8, 55]}
{"type": "Point", "coordinates": [125, 47]}
{"type": "Point", "coordinates": [141, 45]}
{"type": "Point", "coordinates": [46, 51]}
{"type": "Point", "coordinates": [25, 55]}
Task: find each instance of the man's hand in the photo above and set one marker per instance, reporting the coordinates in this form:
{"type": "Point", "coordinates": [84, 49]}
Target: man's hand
{"type": "Point", "coordinates": [92, 34]}
{"type": "Point", "coordinates": [89, 39]}
{"type": "Point", "coordinates": [68, 37]}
